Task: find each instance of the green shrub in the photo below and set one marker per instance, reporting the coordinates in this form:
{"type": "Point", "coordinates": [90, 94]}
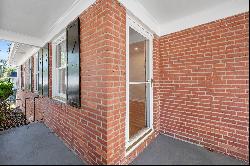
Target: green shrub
{"type": "Point", "coordinates": [8, 117]}
{"type": "Point", "coordinates": [6, 90]}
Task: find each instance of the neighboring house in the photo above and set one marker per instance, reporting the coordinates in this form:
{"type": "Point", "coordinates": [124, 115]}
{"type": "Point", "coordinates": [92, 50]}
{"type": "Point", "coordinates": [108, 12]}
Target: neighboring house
{"type": "Point", "coordinates": [112, 79]}
{"type": "Point", "coordinates": [13, 78]}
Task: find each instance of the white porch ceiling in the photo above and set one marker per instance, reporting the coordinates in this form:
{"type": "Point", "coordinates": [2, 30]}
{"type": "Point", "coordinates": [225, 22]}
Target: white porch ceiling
{"type": "Point", "coordinates": [167, 16]}
{"type": "Point", "coordinates": [170, 10]}
{"type": "Point", "coordinates": [36, 22]}
{"type": "Point", "coordinates": [31, 17]}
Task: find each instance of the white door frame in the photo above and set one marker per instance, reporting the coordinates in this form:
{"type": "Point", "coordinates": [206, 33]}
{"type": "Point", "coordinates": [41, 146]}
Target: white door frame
{"type": "Point", "coordinates": [141, 30]}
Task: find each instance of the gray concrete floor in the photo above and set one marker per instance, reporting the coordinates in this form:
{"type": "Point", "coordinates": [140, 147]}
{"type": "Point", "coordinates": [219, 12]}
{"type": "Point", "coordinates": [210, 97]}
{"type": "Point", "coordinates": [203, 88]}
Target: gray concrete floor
{"type": "Point", "coordinates": [168, 151]}
{"type": "Point", "coordinates": [34, 145]}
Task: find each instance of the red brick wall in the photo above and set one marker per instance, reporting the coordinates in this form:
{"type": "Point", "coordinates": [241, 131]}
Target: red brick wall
{"type": "Point", "coordinates": [96, 132]}
{"type": "Point", "coordinates": [85, 130]}
{"type": "Point", "coordinates": [115, 79]}
{"type": "Point", "coordinates": [200, 88]}
{"type": "Point", "coordinates": [204, 85]}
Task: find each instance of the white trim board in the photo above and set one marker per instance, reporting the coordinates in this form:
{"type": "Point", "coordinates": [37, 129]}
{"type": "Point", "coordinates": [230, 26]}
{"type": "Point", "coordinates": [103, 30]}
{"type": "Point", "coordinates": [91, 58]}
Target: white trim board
{"type": "Point", "coordinates": [135, 8]}
{"type": "Point", "coordinates": [72, 13]}
{"type": "Point", "coordinates": [20, 38]}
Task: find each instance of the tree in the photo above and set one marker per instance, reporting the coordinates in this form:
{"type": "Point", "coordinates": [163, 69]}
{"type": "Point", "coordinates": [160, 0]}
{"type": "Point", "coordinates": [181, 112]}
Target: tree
{"type": "Point", "coordinates": [5, 71]}
{"type": "Point", "coordinates": [3, 64]}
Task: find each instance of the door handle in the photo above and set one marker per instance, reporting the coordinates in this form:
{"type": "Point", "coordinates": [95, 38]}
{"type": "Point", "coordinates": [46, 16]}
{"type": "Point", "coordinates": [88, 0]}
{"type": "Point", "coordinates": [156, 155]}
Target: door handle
{"type": "Point", "coordinates": [151, 81]}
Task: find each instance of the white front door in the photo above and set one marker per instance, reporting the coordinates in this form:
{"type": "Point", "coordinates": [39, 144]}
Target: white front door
{"type": "Point", "coordinates": [139, 115]}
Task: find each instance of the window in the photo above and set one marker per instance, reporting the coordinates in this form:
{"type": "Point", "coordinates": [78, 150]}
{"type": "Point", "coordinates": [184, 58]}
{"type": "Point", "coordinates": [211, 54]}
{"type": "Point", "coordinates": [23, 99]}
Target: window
{"type": "Point", "coordinates": [59, 68]}
{"type": "Point", "coordinates": [20, 77]}
{"type": "Point", "coordinates": [30, 74]}
{"type": "Point", "coordinates": [36, 77]}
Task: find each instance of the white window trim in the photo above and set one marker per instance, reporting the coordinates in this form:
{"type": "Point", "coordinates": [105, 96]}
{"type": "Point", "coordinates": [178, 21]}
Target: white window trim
{"type": "Point", "coordinates": [55, 71]}
{"type": "Point", "coordinates": [144, 32]}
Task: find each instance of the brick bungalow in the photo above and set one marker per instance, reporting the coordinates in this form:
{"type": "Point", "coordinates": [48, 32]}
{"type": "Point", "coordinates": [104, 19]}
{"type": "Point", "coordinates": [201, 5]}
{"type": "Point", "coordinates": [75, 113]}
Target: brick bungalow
{"type": "Point", "coordinates": [108, 84]}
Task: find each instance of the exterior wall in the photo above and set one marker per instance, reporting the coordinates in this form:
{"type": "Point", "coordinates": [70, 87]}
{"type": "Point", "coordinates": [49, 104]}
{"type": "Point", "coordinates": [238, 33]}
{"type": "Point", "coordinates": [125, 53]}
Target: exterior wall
{"type": "Point", "coordinates": [200, 88]}
{"type": "Point", "coordinates": [96, 131]}
{"type": "Point", "coordinates": [204, 85]}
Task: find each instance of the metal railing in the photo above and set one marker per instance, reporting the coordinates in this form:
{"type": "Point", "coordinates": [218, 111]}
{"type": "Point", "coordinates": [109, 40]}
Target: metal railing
{"type": "Point", "coordinates": [34, 113]}
{"type": "Point", "coordinates": [25, 107]}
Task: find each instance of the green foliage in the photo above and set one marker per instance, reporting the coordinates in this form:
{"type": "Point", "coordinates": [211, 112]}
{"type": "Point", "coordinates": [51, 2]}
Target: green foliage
{"type": "Point", "coordinates": [6, 89]}
{"type": "Point", "coordinates": [8, 71]}
{"type": "Point", "coordinates": [3, 64]}
{"type": "Point", "coordinates": [5, 70]}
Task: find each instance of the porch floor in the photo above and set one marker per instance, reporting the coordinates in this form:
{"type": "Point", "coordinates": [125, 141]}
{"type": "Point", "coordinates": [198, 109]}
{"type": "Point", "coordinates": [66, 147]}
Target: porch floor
{"type": "Point", "coordinates": [35, 144]}
{"type": "Point", "coordinates": [165, 150]}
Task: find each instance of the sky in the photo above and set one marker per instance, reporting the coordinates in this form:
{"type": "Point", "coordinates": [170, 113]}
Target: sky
{"type": "Point", "coordinates": [4, 47]}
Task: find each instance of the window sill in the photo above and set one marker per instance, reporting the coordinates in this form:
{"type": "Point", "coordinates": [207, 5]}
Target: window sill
{"type": "Point", "coordinates": [60, 99]}
{"type": "Point", "coordinates": [138, 139]}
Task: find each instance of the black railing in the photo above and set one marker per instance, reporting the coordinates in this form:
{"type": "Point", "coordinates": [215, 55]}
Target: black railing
{"type": "Point", "coordinates": [34, 113]}
{"type": "Point", "coordinates": [25, 107]}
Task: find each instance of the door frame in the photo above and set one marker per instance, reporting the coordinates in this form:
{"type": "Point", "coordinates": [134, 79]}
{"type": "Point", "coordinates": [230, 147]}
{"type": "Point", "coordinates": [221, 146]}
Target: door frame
{"type": "Point", "coordinates": [132, 23]}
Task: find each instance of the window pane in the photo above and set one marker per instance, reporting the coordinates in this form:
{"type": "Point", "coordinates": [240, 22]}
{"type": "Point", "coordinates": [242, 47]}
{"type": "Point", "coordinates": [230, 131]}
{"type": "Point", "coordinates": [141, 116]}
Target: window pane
{"type": "Point", "coordinates": [61, 81]}
{"type": "Point", "coordinates": [137, 57]}
{"type": "Point", "coordinates": [137, 108]}
{"type": "Point", "coordinates": [61, 54]}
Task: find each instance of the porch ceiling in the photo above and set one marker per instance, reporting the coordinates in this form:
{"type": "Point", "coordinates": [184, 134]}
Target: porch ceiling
{"type": "Point", "coordinates": [31, 18]}
{"type": "Point", "coordinates": [167, 16]}
{"type": "Point", "coordinates": [36, 22]}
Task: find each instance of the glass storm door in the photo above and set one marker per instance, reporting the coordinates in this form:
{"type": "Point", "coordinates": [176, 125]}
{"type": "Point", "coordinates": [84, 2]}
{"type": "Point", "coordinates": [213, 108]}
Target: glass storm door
{"type": "Point", "coordinates": [139, 84]}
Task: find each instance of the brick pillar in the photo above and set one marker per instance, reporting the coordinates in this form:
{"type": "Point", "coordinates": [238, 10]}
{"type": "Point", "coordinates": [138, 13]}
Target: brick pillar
{"type": "Point", "coordinates": [102, 49]}
{"type": "Point", "coordinates": [115, 52]}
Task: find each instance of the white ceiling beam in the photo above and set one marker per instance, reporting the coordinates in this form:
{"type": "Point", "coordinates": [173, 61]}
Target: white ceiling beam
{"type": "Point", "coordinates": [72, 13]}
{"type": "Point", "coordinates": [136, 8]}
{"type": "Point", "coordinates": [20, 38]}
{"type": "Point", "coordinates": [28, 54]}
{"type": "Point", "coordinates": [15, 58]}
